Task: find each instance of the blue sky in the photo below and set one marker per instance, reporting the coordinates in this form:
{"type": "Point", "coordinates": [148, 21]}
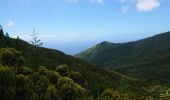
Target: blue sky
{"type": "Point", "coordinates": [74, 25]}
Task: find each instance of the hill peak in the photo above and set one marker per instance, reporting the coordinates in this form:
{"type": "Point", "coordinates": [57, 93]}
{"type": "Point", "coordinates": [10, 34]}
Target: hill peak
{"type": "Point", "coordinates": [133, 58]}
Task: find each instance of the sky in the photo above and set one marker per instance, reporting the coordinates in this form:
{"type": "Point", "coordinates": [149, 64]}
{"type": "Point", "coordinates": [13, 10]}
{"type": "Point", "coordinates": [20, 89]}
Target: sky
{"type": "Point", "coordinates": [74, 25]}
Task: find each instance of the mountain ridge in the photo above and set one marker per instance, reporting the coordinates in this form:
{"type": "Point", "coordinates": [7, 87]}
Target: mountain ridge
{"type": "Point", "coordinates": [97, 78]}
{"type": "Point", "coordinates": [135, 56]}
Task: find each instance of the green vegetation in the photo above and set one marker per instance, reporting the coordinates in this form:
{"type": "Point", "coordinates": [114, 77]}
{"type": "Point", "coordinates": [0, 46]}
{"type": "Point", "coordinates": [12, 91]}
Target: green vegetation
{"type": "Point", "coordinates": [30, 63]}
{"type": "Point", "coordinates": [147, 59]}
{"type": "Point", "coordinates": [30, 72]}
{"type": "Point", "coordinates": [23, 83]}
{"type": "Point", "coordinates": [114, 95]}
{"type": "Point", "coordinates": [94, 79]}
{"type": "Point", "coordinates": [63, 83]}
{"type": "Point", "coordinates": [40, 84]}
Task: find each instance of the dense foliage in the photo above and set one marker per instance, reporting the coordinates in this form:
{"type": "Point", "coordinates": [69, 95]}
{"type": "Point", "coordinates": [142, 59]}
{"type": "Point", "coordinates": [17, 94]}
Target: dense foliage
{"type": "Point", "coordinates": [147, 59]}
{"type": "Point", "coordinates": [96, 78]}
{"type": "Point", "coordinates": [29, 72]}
{"type": "Point", "coordinates": [23, 83]}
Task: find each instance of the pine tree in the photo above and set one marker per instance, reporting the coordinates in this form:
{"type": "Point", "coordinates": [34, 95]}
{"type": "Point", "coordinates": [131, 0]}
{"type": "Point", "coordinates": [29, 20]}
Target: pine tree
{"type": "Point", "coordinates": [35, 39]}
{"type": "Point", "coordinates": [1, 31]}
{"type": "Point", "coordinates": [7, 35]}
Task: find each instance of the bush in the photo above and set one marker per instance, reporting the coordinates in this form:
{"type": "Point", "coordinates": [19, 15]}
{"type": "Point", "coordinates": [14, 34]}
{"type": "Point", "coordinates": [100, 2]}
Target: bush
{"type": "Point", "coordinates": [69, 90]}
{"type": "Point", "coordinates": [11, 57]}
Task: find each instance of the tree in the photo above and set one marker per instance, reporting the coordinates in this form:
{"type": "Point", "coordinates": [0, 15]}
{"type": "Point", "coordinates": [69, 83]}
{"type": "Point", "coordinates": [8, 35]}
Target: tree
{"type": "Point", "coordinates": [42, 70]}
{"type": "Point", "coordinates": [53, 76]}
{"type": "Point", "coordinates": [110, 94]}
{"type": "Point", "coordinates": [7, 35]}
{"type": "Point", "coordinates": [11, 57]}
{"type": "Point", "coordinates": [1, 31]}
{"type": "Point", "coordinates": [24, 87]}
{"type": "Point", "coordinates": [54, 92]}
{"type": "Point", "coordinates": [76, 76]}
{"type": "Point", "coordinates": [26, 70]}
{"type": "Point", "coordinates": [41, 85]}
{"type": "Point", "coordinates": [35, 41]}
{"type": "Point", "coordinates": [7, 80]}
{"type": "Point", "coordinates": [69, 90]}
{"type": "Point", "coordinates": [64, 70]}
{"type": "Point", "coordinates": [7, 76]}
{"type": "Point", "coordinates": [18, 38]}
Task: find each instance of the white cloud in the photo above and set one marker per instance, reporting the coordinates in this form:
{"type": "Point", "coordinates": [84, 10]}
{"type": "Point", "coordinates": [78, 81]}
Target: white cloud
{"type": "Point", "coordinates": [147, 5]}
{"type": "Point", "coordinates": [125, 9]}
{"type": "Point", "coordinates": [141, 5]}
{"type": "Point", "coordinates": [10, 23]}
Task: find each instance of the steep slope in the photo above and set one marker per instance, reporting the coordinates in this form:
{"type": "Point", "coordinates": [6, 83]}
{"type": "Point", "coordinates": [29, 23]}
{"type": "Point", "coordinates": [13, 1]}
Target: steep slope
{"type": "Point", "coordinates": [98, 79]}
{"type": "Point", "coordinates": [146, 59]}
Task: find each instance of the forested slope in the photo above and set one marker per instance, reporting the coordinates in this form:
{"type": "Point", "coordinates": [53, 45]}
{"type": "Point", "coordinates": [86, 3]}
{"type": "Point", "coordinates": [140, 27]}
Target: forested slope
{"type": "Point", "coordinates": [145, 59]}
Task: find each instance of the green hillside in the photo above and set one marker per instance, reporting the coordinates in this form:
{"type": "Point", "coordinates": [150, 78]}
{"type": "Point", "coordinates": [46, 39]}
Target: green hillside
{"type": "Point", "coordinates": [28, 72]}
{"type": "Point", "coordinates": [147, 59]}
{"type": "Point", "coordinates": [96, 79]}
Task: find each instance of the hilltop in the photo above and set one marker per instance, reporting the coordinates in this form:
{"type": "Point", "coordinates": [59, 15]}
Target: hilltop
{"type": "Point", "coordinates": [147, 59]}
